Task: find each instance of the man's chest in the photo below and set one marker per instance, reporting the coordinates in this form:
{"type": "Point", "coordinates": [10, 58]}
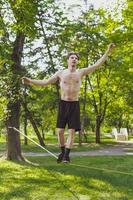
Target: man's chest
{"type": "Point", "coordinates": [70, 78]}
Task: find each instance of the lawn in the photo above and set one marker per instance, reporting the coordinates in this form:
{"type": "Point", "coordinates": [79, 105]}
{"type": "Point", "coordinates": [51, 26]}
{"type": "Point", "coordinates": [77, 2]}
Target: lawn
{"type": "Point", "coordinates": [86, 178]}
{"type": "Point", "coordinates": [52, 144]}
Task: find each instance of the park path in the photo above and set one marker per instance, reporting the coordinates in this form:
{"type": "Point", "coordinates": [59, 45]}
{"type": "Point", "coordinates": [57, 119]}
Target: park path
{"type": "Point", "coordinates": [121, 148]}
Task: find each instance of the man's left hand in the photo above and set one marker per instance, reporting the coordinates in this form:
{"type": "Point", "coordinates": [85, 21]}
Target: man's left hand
{"type": "Point", "coordinates": [111, 46]}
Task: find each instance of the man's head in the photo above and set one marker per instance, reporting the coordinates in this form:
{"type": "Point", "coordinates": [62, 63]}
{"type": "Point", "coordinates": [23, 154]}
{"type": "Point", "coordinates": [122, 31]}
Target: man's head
{"type": "Point", "coordinates": [72, 59]}
{"type": "Point", "coordinates": [71, 54]}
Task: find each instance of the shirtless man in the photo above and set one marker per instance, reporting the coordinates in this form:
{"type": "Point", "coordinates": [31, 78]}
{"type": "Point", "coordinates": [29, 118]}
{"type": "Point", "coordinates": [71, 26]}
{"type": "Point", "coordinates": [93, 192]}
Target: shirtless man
{"type": "Point", "coordinates": [69, 111]}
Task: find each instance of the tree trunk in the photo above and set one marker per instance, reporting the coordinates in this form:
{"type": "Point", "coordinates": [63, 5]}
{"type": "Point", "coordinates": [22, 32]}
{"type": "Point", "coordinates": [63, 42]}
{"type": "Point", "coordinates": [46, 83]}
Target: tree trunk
{"type": "Point", "coordinates": [29, 115]}
{"type": "Point", "coordinates": [81, 133]}
{"type": "Point", "coordinates": [43, 134]}
{"type": "Point", "coordinates": [25, 130]}
{"type": "Point", "coordinates": [80, 137]}
{"type": "Point", "coordinates": [98, 125]}
{"type": "Point", "coordinates": [13, 107]}
{"type": "Point", "coordinates": [25, 118]}
{"type": "Point", "coordinates": [36, 129]}
{"type": "Point", "coordinates": [13, 137]}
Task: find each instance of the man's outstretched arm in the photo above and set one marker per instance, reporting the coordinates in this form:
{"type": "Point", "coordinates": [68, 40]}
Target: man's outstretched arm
{"type": "Point", "coordinates": [92, 68]}
{"type": "Point", "coordinates": [51, 80]}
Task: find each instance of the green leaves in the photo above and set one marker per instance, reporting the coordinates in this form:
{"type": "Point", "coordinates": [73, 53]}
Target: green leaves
{"type": "Point", "coordinates": [49, 35]}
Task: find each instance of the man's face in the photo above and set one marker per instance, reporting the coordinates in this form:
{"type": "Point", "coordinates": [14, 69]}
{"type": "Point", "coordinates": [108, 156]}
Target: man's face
{"type": "Point", "coordinates": [72, 60]}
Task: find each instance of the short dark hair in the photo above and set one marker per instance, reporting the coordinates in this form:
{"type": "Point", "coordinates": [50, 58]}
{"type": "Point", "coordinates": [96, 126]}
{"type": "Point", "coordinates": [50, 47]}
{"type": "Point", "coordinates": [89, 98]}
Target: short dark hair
{"type": "Point", "coordinates": [72, 53]}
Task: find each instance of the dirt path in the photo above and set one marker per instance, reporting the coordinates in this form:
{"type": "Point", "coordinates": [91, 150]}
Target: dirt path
{"type": "Point", "coordinates": [124, 148]}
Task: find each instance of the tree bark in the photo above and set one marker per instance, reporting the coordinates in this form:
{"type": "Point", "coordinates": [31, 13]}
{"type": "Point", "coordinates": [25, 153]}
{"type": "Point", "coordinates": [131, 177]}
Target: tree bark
{"type": "Point", "coordinates": [25, 118]}
{"type": "Point", "coordinates": [36, 129]}
{"type": "Point", "coordinates": [13, 137]}
{"type": "Point", "coordinates": [13, 106]}
{"type": "Point", "coordinates": [25, 131]}
{"type": "Point", "coordinates": [29, 116]}
{"type": "Point", "coordinates": [81, 133]}
{"type": "Point", "coordinates": [80, 137]}
{"type": "Point", "coordinates": [98, 125]}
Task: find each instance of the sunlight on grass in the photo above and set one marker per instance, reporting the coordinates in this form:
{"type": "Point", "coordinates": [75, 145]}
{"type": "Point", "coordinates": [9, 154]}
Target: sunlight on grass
{"type": "Point", "coordinates": [108, 189]}
{"type": "Point", "coordinates": [50, 181]}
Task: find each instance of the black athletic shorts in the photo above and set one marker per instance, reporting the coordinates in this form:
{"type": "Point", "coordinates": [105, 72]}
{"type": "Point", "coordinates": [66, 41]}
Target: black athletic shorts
{"type": "Point", "coordinates": [69, 114]}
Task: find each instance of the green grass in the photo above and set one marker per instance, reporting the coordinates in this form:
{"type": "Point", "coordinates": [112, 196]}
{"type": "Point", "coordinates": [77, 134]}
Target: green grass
{"type": "Point", "coordinates": [52, 144]}
{"type": "Point", "coordinates": [84, 180]}
{"type": "Point", "coordinates": [3, 145]}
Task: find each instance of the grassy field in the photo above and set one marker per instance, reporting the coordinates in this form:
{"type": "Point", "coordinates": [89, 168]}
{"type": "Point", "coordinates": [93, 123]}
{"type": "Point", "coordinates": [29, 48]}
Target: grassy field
{"type": "Point", "coordinates": [52, 143]}
{"type": "Point", "coordinates": [86, 178]}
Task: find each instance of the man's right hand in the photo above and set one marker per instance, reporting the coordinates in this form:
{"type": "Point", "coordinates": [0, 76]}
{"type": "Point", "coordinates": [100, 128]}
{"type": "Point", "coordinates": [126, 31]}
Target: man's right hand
{"type": "Point", "coordinates": [26, 80]}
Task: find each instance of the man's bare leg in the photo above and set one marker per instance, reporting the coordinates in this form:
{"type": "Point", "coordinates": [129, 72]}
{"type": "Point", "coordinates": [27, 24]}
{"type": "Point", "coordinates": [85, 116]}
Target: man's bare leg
{"type": "Point", "coordinates": [61, 138]}
{"type": "Point", "coordinates": [69, 144]}
{"type": "Point", "coordinates": [70, 139]}
{"type": "Point", "coordinates": [61, 141]}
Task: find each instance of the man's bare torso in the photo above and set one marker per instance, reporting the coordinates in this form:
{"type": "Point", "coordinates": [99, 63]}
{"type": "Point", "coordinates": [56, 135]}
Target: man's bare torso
{"type": "Point", "coordinates": [70, 79]}
{"type": "Point", "coordinates": [70, 83]}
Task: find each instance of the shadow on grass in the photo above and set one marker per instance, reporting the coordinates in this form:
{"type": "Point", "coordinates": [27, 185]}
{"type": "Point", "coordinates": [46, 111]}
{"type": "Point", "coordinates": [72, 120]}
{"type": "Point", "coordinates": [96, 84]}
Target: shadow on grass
{"type": "Point", "coordinates": [50, 180]}
{"type": "Point", "coordinates": [28, 180]}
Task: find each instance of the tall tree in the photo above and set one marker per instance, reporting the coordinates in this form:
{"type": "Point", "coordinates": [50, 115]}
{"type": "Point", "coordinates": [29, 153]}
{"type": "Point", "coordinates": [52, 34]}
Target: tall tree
{"type": "Point", "coordinates": [21, 20]}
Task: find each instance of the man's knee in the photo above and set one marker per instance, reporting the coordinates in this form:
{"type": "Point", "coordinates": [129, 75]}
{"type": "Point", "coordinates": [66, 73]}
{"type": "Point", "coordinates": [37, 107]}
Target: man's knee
{"type": "Point", "coordinates": [60, 131]}
{"type": "Point", "coordinates": [71, 131]}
